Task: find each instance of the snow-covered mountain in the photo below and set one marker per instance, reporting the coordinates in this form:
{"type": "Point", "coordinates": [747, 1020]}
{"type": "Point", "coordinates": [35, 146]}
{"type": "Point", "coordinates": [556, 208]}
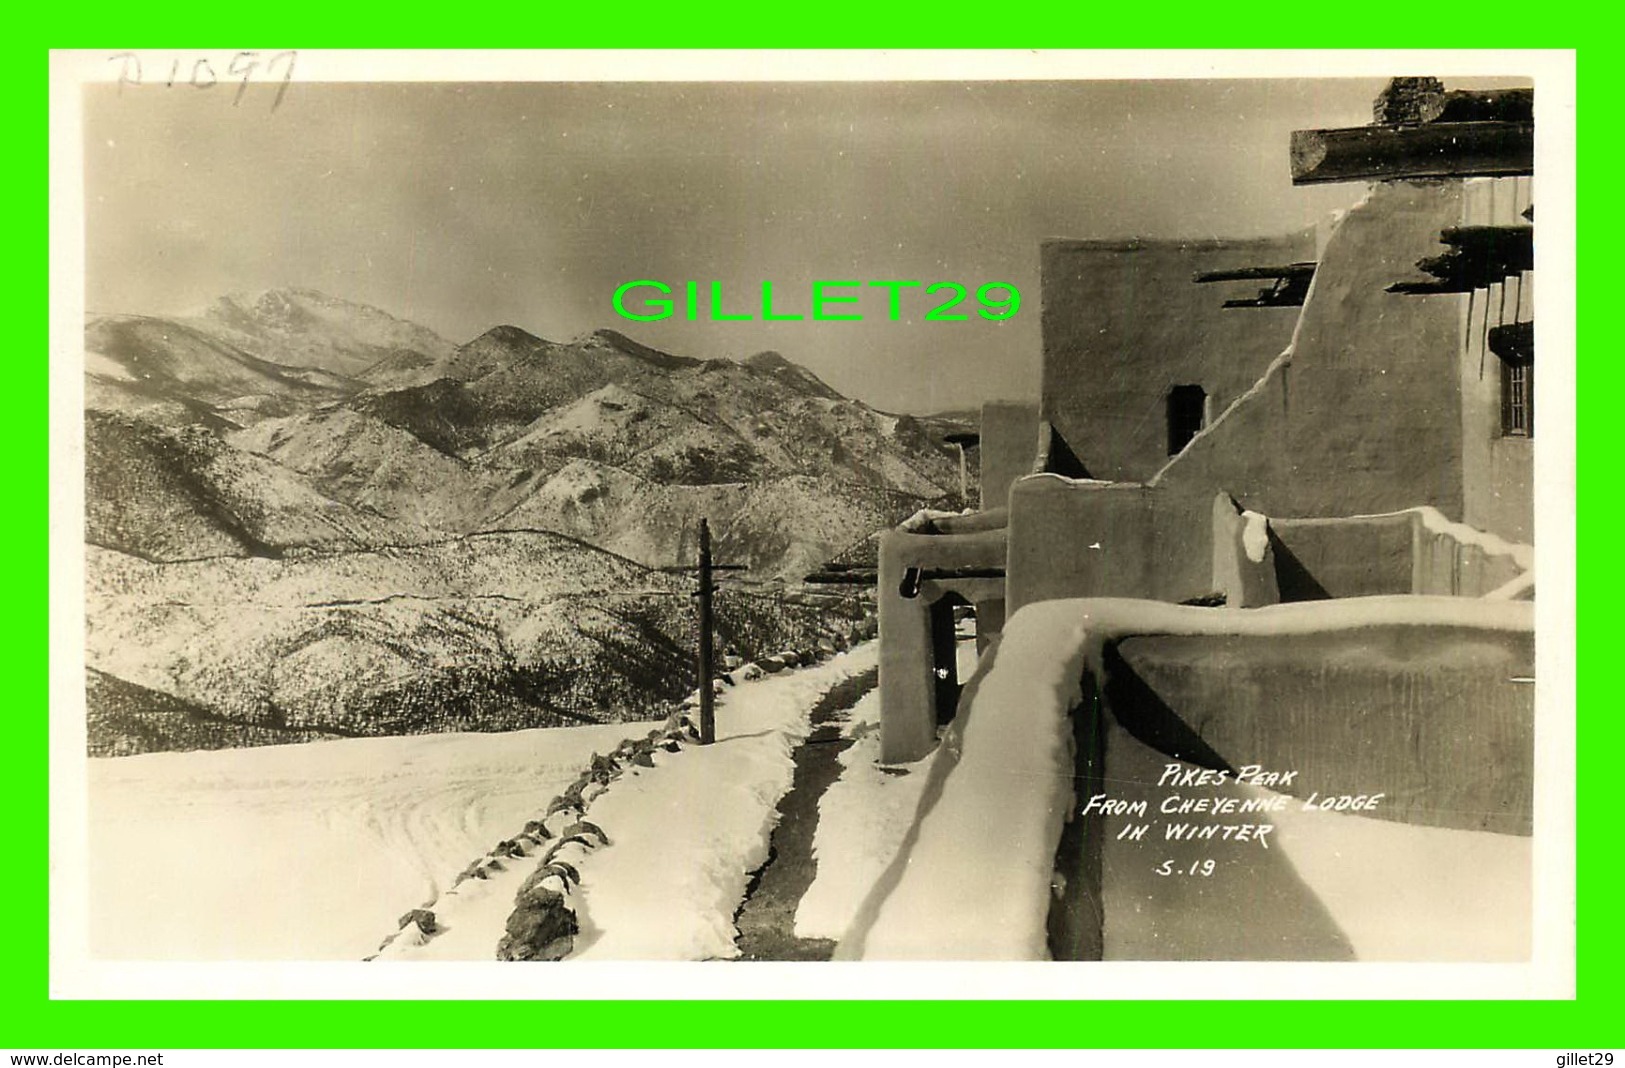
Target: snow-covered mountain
{"type": "Point", "coordinates": [398, 436]}
{"type": "Point", "coordinates": [305, 328]}
{"type": "Point", "coordinates": [358, 452]}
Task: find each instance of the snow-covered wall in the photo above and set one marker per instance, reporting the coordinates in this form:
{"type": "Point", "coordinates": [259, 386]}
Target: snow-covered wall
{"type": "Point", "coordinates": [1084, 538]}
{"type": "Point", "coordinates": [972, 878]}
{"type": "Point", "coordinates": [1454, 558]}
{"type": "Point", "coordinates": [1425, 699]}
{"type": "Point", "coordinates": [1331, 886]}
{"type": "Point", "coordinates": [1414, 551]}
{"type": "Point", "coordinates": [1431, 715]}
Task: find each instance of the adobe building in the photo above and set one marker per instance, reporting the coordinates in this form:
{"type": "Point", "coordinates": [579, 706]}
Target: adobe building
{"type": "Point", "coordinates": [1376, 401]}
{"type": "Point", "coordinates": [1137, 359]}
{"type": "Point", "coordinates": [1340, 415]}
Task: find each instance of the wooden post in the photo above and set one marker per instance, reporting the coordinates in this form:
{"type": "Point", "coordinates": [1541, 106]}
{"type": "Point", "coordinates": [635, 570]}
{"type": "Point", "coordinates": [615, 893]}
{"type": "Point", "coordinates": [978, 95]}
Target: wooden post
{"type": "Point", "coordinates": [706, 668]}
{"type": "Point", "coordinates": [708, 715]}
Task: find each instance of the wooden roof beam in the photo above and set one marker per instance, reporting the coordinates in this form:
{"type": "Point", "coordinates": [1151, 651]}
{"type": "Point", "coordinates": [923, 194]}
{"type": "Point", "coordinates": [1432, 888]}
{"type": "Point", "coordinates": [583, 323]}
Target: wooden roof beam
{"type": "Point", "coordinates": [1514, 342]}
{"type": "Point", "coordinates": [1290, 270]}
{"type": "Point", "coordinates": [1479, 257]}
{"type": "Point", "coordinates": [1501, 235]}
{"type": "Point", "coordinates": [1501, 250]}
{"type": "Point", "coordinates": [1268, 299]}
{"type": "Point", "coordinates": [1289, 291]}
{"type": "Point", "coordinates": [1490, 149]}
{"type": "Point", "coordinates": [1431, 288]}
{"type": "Point", "coordinates": [1487, 105]}
{"type": "Point", "coordinates": [1411, 100]}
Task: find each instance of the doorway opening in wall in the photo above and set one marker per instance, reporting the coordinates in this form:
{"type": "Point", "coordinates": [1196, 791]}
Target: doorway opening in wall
{"type": "Point", "coordinates": [947, 613]}
{"type": "Point", "coordinates": [1187, 415]}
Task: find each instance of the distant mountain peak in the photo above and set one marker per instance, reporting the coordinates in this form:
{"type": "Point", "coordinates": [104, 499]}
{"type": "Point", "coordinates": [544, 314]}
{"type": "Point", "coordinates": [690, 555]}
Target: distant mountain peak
{"type": "Point", "coordinates": [507, 335]}
{"type": "Point", "coordinates": [292, 295]}
{"type": "Point", "coordinates": [301, 327]}
{"type": "Point", "coordinates": [637, 350]}
{"type": "Point", "coordinates": [768, 360]}
{"type": "Point", "coordinates": [791, 373]}
{"type": "Point", "coordinates": [291, 301]}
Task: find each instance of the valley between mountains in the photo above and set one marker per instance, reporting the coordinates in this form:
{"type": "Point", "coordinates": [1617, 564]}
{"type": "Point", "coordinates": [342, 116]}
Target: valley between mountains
{"type": "Point", "coordinates": [308, 518]}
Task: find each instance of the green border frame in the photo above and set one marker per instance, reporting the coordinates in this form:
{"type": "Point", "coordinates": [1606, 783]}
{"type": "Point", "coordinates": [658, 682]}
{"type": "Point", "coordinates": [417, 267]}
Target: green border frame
{"type": "Point", "coordinates": [35, 1021]}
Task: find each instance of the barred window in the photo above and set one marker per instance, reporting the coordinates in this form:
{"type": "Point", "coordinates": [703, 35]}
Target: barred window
{"type": "Point", "coordinates": [1518, 399]}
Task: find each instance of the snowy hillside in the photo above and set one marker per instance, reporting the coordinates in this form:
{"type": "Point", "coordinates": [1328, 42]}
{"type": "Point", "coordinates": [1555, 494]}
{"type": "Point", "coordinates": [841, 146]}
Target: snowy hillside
{"type": "Point", "coordinates": [490, 632]}
{"type": "Point", "coordinates": [350, 452]}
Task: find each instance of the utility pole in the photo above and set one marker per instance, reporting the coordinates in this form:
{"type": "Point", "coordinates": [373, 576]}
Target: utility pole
{"type": "Point", "coordinates": [707, 568]}
{"type": "Point", "coordinates": [708, 712]}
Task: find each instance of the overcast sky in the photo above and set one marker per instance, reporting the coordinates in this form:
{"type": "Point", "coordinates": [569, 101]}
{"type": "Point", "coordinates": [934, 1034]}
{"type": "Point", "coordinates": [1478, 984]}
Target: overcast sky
{"type": "Point", "coordinates": [465, 206]}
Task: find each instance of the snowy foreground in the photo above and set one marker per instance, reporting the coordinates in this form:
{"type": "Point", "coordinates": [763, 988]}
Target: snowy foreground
{"type": "Point", "coordinates": [306, 852]}
{"type": "Point", "coordinates": [312, 852]}
{"type": "Point", "coordinates": [864, 819]}
{"type": "Point", "coordinates": [684, 837]}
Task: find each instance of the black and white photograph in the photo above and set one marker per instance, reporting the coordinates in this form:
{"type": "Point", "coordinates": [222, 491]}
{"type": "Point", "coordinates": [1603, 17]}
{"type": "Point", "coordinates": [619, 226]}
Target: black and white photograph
{"type": "Point", "coordinates": [541, 509]}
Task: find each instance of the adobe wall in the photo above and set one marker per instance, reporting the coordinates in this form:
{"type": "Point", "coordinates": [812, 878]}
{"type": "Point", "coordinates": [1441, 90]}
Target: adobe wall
{"type": "Point", "coordinates": [1444, 564]}
{"type": "Point", "coordinates": [1501, 498]}
{"type": "Point", "coordinates": [1428, 716]}
{"type": "Point", "coordinates": [1499, 470]}
{"type": "Point", "coordinates": [1364, 416]}
{"type": "Point", "coordinates": [1243, 569]}
{"type": "Point", "coordinates": [908, 720]}
{"type": "Point", "coordinates": [1355, 557]}
{"type": "Point", "coordinates": [1415, 551]}
{"type": "Point", "coordinates": [1371, 410]}
{"type": "Point", "coordinates": [1426, 699]}
{"type": "Point", "coordinates": [1069, 538]}
{"type": "Point", "coordinates": [1330, 887]}
{"type": "Point", "coordinates": [1374, 402]}
{"type": "Point", "coordinates": [1075, 538]}
{"type": "Point", "coordinates": [1009, 448]}
{"type": "Point", "coordinates": [1072, 539]}
{"type": "Point", "coordinates": [1123, 322]}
